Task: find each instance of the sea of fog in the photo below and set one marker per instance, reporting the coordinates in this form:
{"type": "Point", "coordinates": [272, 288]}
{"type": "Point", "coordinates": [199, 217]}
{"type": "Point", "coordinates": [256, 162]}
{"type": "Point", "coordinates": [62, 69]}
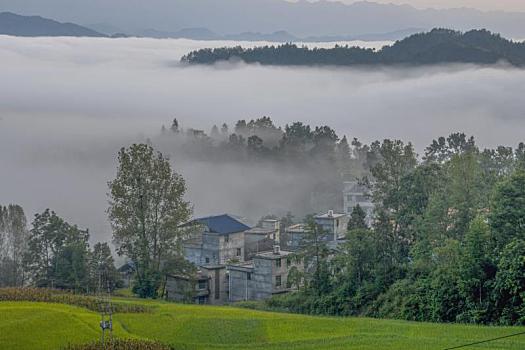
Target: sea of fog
{"type": "Point", "coordinates": [68, 104]}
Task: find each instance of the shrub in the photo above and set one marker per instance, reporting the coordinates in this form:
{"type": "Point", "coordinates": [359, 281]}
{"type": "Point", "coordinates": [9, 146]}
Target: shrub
{"type": "Point", "coordinates": [61, 297]}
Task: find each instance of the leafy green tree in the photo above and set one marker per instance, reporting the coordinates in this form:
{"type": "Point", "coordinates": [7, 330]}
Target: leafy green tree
{"type": "Point", "coordinates": [71, 263]}
{"type": "Point", "coordinates": [57, 253]}
{"type": "Point", "coordinates": [510, 283]}
{"type": "Point", "coordinates": [396, 160]}
{"type": "Point", "coordinates": [465, 190]}
{"type": "Point", "coordinates": [446, 302]}
{"type": "Point", "coordinates": [507, 215]}
{"type": "Point", "coordinates": [146, 210]}
{"type": "Point", "coordinates": [315, 254]}
{"type": "Point", "coordinates": [477, 269]}
{"type": "Point", "coordinates": [442, 149]}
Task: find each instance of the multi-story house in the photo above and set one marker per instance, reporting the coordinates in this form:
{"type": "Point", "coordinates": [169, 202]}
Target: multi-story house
{"type": "Point", "coordinates": [354, 194]}
{"type": "Point", "coordinates": [266, 275]}
{"type": "Point", "coordinates": [216, 240]}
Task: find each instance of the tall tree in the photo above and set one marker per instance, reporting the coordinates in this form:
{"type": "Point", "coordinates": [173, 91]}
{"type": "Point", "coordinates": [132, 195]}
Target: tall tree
{"type": "Point", "coordinates": [146, 210]}
{"type": "Point", "coordinates": [315, 256]}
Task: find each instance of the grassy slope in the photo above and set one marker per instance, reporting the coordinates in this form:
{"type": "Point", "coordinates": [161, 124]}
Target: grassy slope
{"type": "Point", "coordinates": [43, 326]}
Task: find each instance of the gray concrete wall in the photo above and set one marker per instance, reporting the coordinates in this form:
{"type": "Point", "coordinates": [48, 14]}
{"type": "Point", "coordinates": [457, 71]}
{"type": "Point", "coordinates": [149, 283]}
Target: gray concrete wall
{"type": "Point", "coordinates": [228, 246]}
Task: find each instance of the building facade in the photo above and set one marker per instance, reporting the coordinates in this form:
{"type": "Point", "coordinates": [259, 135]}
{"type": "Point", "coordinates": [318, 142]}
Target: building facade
{"type": "Point", "coordinates": [266, 275]}
{"type": "Point", "coordinates": [216, 240]}
{"type": "Point", "coordinates": [354, 194]}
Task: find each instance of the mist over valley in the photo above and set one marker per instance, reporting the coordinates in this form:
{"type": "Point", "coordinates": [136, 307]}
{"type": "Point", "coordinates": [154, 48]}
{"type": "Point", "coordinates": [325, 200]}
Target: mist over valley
{"type": "Point", "coordinates": [69, 104]}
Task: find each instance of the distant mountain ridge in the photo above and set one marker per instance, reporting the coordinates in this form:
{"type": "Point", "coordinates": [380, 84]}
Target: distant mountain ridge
{"type": "Point", "coordinates": [439, 46]}
{"type": "Point", "coordinates": [17, 25]}
{"type": "Point", "coordinates": [301, 19]}
{"type": "Point", "coordinates": [281, 36]}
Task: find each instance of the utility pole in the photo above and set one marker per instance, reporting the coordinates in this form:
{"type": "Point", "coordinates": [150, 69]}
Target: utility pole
{"type": "Point", "coordinates": [106, 313]}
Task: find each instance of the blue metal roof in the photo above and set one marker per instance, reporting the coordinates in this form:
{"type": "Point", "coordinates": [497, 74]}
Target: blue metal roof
{"type": "Point", "coordinates": [223, 224]}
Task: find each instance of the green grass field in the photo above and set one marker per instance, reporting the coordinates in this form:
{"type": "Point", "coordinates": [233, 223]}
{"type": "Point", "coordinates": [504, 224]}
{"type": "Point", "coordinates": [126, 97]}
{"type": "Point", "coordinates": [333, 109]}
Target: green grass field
{"type": "Point", "coordinates": [40, 326]}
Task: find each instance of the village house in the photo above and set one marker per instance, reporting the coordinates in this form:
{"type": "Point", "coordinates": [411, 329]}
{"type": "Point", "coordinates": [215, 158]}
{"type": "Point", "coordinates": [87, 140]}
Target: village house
{"type": "Point", "coordinates": [194, 289]}
{"type": "Point", "coordinates": [333, 225]}
{"type": "Point", "coordinates": [354, 194]}
{"type": "Point", "coordinates": [262, 238]}
{"type": "Point", "coordinates": [215, 240]}
{"type": "Point", "coordinates": [236, 262]}
{"type": "Point", "coordinates": [208, 286]}
{"type": "Point", "coordinates": [266, 275]}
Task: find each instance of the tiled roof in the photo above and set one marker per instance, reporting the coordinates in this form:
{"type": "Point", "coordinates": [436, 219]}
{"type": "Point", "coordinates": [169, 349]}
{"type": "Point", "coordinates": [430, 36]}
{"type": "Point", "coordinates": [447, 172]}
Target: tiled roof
{"type": "Point", "coordinates": [222, 224]}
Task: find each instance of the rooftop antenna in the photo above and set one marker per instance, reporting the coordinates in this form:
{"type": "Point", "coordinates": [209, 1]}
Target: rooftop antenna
{"type": "Point", "coordinates": [106, 312]}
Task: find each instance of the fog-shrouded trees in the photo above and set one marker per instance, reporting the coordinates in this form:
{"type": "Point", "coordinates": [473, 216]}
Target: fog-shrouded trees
{"type": "Point", "coordinates": [146, 210]}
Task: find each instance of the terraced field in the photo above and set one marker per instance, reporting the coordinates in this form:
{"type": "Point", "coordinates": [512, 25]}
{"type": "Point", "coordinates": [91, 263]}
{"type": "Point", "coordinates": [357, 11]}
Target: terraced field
{"type": "Point", "coordinates": [40, 326]}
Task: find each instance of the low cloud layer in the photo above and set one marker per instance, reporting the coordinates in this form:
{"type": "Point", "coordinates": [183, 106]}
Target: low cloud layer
{"type": "Point", "coordinates": [68, 104]}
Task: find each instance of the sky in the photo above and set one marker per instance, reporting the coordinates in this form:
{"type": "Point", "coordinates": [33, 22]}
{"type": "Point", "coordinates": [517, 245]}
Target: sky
{"type": "Point", "coordinates": [487, 5]}
{"type": "Point", "coordinates": [69, 104]}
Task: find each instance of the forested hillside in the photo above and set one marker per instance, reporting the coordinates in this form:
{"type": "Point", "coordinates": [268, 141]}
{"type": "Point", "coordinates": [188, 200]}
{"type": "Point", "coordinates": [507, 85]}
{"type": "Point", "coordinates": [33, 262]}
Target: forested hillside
{"type": "Point", "coordinates": [438, 46]}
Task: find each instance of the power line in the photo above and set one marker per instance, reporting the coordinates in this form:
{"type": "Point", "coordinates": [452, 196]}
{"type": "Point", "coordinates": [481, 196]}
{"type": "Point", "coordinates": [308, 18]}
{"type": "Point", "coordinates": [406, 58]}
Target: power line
{"type": "Point", "coordinates": [485, 341]}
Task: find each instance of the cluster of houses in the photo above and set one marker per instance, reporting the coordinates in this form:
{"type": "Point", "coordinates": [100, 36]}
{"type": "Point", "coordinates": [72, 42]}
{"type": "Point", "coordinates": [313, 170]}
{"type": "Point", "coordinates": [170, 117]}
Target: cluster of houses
{"type": "Point", "coordinates": [237, 262]}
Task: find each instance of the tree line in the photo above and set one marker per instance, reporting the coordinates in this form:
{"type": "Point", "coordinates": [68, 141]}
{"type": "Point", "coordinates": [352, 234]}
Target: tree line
{"type": "Point", "coordinates": [437, 46]}
{"type": "Point", "coordinates": [52, 254]}
{"type": "Point", "coordinates": [446, 245]}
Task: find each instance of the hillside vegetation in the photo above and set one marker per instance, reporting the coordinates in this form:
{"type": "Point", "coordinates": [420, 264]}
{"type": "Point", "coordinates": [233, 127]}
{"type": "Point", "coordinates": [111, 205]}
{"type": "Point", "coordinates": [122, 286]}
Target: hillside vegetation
{"type": "Point", "coordinates": [28, 325]}
{"type": "Point", "coordinates": [438, 46]}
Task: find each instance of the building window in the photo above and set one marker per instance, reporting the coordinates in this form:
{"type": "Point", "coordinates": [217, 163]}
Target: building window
{"type": "Point", "coordinates": [239, 252]}
{"type": "Point", "coordinates": [203, 300]}
{"type": "Point", "coordinates": [207, 260]}
{"type": "Point", "coordinates": [249, 276]}
{"type": "Point", "coordinates": [202, 284]}
{"type": "Point", "coordinates": [278, 263]}
{"type": "Point", "coordinates": [278, 280]}
{"type": "Point", "coordinates": [226, 239]}
{"type": "Point", "coordinates": [288, 262]}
